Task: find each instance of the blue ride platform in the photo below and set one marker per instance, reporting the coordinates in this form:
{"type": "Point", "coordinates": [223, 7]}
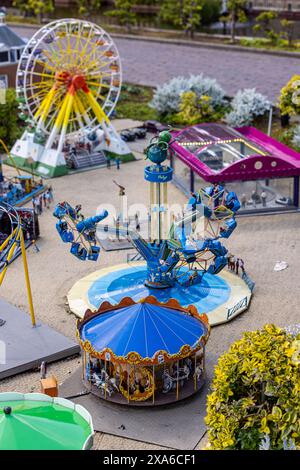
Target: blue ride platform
{"type": "Point", "coordinates": [221, 297]}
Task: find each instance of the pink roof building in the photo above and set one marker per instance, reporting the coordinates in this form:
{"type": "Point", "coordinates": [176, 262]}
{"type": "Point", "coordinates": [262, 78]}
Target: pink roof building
{"type": "Point", "coordinates": [218, 153]}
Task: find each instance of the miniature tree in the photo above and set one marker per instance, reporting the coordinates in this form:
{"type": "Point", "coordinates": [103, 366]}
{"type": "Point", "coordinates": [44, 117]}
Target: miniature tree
{"type": "Point", "coordinates": [124, 12]}
{"type": "Point", "coordinates": [264, 24]}
{"type": "Point", "coordinates": [87, 6]}
{"type": "Point", "coordinates": [255, 396]}
{"type": "Point", "coordinates": [36, 8]}
{"type": "Point", "coordinates": [236, 8]}
{"type": "Point", "coordinates": [288, 30]}
{"type": "Point", "coordinates": [10, 129]}
{"type": "Point", "coordinates": [185, 14]}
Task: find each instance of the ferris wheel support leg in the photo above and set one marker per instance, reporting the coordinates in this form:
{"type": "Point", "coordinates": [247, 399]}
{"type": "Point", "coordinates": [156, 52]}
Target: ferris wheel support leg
{"type": "Point", "coordinates": [100, 114]}
{"type": "Point", "coordinates": [45, 108]}
{"type": "Point", "coordinates": [79, 106]}
{"type": "Point", "coordinates": [27, 280]}
{"type": "Point", "coordinates": [65, 123]}
{"type": "Point", "coordinates": [57, 124]}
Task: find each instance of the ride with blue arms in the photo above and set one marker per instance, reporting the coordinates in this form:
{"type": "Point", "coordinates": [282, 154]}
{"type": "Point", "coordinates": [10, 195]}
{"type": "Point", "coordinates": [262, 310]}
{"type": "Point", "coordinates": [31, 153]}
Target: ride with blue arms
{"type": "Point", "coordinates": [184, 257]}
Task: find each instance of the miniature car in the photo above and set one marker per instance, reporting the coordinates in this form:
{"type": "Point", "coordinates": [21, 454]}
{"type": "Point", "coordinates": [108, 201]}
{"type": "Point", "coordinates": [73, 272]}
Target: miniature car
{"type": "Point", "coordinates": [140, 132]}
{"type": "Point", "coordinates": [155, 126]}
{"type": "Point", "coordinates": [284, 201]}
{"type": "Point", "coordinates": [128, 136]}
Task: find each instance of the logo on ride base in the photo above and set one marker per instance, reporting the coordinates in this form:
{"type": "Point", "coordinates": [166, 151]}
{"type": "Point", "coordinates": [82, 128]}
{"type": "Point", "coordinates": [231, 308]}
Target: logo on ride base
{"type": "Point", "coordinates": [242, 304]}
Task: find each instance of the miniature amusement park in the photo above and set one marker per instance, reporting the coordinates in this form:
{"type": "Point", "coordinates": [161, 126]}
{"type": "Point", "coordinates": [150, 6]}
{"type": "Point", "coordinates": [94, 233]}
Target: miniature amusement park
{"type": "Point", "coordinates": [149, 238]}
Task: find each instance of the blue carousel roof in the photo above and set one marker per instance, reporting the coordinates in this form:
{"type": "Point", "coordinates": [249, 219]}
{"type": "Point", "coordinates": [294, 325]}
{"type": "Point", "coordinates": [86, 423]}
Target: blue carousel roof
{"type": "Point", "coordinates": [143, 328]}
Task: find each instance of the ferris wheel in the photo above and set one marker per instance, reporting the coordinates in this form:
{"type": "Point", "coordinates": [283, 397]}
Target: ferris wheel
{"type": "Point", "coordinates": [68, 80]}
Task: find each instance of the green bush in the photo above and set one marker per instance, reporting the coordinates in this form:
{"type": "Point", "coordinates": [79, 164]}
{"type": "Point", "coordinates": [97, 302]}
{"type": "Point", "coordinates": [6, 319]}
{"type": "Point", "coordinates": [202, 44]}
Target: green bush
{"type": "Point", "coordinates": [255, 398]}
{"type": "Point", "coordinates": [210, 11]}
{"type": "Point", "coordinates": [10, 129]}
{"type": "Point", "coordinates": [134, 103]}
{"type": "Point", "coordinates": [289, 100]}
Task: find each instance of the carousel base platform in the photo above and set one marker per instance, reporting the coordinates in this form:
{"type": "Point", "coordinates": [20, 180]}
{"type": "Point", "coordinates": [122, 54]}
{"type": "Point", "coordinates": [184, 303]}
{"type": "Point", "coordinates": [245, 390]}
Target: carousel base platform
{"type": "Point", "coordinates": [222, 297]}
{"type": "Point", "coordinates": [23, 347]}
{"type": "Point", "coordinates": [178, 425]}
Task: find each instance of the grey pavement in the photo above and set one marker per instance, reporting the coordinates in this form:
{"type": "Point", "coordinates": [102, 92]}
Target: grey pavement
{"type": "Point", "coordinates": [148, 63]}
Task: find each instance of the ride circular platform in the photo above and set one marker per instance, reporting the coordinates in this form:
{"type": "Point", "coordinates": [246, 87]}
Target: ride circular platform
{"type": "Point", "coordinates": [222, 297]}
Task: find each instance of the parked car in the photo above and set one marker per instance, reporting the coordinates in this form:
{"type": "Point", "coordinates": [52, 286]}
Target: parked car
{"type": "Point", "coordinates": [140, 132]}
{"type": "Point", "coordinates": [128, 135]}
{"type": "Point", "coordinates": [155, 126]}
{"type": "Point", "coordinates": [284, 201]}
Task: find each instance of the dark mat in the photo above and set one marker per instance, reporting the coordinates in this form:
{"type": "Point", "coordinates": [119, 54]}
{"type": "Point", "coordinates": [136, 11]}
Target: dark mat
{"type": "Point", "coordinates": [23, 347]}
{"type": "Point", "coordinates": [115, 245]}
{"type": "Point", "coordinates": [177, 426]}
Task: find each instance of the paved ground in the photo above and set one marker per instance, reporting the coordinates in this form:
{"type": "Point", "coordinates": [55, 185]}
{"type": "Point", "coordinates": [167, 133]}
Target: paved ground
{"type": "Point", "coordinates": [261, 241]}
{"type": "Point", "coordinates": [149, 63]}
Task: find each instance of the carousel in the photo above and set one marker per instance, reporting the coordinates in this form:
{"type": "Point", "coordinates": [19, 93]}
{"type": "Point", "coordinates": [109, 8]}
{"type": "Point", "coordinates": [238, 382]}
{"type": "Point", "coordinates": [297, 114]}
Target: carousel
{"type": "Point", "coordinates": [143, 353]}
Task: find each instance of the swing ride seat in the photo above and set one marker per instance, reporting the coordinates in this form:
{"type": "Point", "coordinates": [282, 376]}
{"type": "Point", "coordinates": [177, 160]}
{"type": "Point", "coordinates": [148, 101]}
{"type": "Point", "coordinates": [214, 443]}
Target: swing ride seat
{"type": "Point", "coordinates": [64, 233]}
{"type": "Point", "coordinates": [78, 251]}
{"type": "Point", "coordinates": [93, 255]}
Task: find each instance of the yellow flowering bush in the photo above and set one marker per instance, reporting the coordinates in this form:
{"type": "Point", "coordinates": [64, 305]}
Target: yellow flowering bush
{"type": "Point", "coordinates": [255, 394]}
{"type": "Point", "coordinates": [289, 101]}
{"type": "Point", "coordinates": [195, 109]}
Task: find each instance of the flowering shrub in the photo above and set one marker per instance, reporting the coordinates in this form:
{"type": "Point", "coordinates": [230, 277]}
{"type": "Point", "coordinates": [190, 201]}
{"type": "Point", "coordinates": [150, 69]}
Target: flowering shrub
{"type": "Point", "coordinates": [246, 106]}
{"type": "Point", "coordinates": [194, 109]}
{"type": "Point", "coordinates": [255, 399]}
{"type": "Point", "coordinates": [289, 101]}
{"type": "Point", "coordinates": [167, 98]}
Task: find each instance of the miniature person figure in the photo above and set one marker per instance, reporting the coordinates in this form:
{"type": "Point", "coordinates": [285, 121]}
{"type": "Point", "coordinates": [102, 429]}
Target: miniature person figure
{"type": "Point", "coordinates": [108, 163]}
{"type": "Point", "coordinates": [78, 212]}
{"type": "Point", "coordinates": [45, 201]}
{"type": "Point", "coordinates": [118, 228]}
{"type": "Point", "coordinates": [48, 199]}
{"type": "Point", "coordinates": [237, 264]}
{"type": "Point", "coordinates": [50, 192]}
{"type": "Point", "coordinates": [137, 223]}
{"type": "Point", "coordinates": [233, 263]}
{"type": "Point", "coordinates": [243, 200]}
{"type": "Point", "coordinates": [264, 198]}
{"type": "Point", "coordinates": [242, 265]}
{"type": "Point", "coordinates": [229, 260]}
{"type": "Point", "coordinates": [41, 203]}
{"type": "Point", "coordinates": [254, 198]}
{"type": "Point", "coordinates": [118, 161]}
{"type": "Point", "coordinates": [35, 247]}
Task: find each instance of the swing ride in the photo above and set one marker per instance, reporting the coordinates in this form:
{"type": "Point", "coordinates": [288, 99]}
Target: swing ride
{"type": "Point", "coordinates": [184, 257]}
{"type": "Point", "coordinates": [68, 83]}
